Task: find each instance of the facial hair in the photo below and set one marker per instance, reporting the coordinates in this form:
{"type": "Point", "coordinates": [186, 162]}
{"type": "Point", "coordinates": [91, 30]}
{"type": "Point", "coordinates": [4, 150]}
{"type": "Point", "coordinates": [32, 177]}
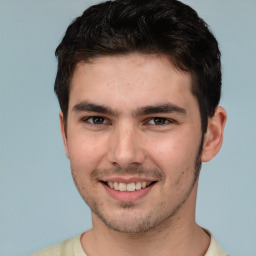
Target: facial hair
{"type": "Point", "coordinates": [143, 224]}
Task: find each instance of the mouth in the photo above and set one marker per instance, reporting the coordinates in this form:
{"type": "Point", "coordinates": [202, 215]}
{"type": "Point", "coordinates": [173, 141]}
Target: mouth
{"type": "Point", "coordinates": [128, 187]}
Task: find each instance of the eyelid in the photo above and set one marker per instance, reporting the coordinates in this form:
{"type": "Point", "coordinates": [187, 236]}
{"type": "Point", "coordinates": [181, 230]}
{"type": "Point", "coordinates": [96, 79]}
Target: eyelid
{"type": "Point", "coordinates": [167, 120]}
{"type": "Point", "coordinates": [148, 121]}
{"type": "Point", "coordinates": [86, 119]}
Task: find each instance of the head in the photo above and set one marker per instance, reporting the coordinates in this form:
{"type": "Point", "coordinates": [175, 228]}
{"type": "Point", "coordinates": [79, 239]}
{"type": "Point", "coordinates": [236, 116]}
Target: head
{"type": "Point", "coordinates": [138, 84]}
{"type": "Point", "coordinates": [166, 27]}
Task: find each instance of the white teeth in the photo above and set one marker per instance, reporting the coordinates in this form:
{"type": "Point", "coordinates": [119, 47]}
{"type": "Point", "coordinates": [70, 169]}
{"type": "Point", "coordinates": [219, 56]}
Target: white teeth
{"type": "Point", "coordinates": [122, 186]}
{"type": "Point", "coordinates": [138, 185]}
{"type": "Point", "coordinates": [111, 184]}
{"type": "Point", "coordinates": [116, 186]}
{"type": "Point", "coordinates": [128, 187]}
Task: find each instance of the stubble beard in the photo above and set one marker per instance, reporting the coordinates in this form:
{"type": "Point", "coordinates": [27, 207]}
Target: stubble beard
{"type": "Point", "coordinates": [145, 223]}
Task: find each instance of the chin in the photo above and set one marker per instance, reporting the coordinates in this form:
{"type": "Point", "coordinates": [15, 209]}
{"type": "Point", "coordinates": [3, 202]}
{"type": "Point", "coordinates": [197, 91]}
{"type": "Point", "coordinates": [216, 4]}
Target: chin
{"type": "Point", "coordinates": [132, 221]}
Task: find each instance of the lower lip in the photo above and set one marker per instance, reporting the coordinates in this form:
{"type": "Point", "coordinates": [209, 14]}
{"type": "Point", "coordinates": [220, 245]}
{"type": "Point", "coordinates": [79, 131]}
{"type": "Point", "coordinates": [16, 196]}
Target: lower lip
{"type": "Point", "coordinates": [128, 196]}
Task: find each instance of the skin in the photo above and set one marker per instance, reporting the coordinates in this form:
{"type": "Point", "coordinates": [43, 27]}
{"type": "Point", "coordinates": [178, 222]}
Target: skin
{"type": "Point", "coordinates": [125, 142]}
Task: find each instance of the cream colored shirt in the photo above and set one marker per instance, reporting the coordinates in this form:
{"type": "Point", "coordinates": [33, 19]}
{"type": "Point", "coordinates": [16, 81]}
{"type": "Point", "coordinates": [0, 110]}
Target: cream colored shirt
{"type": "Point", "coordinates": [73, 247]}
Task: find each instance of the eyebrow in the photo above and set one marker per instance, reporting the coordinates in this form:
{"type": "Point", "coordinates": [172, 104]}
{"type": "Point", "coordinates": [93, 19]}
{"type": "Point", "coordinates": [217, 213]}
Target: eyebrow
{"type": "Point", "coordinates": [160, 109]}
{"type": "Point", "coordinates": [167, 108]}
{"type": "Point", "coordinates": [91, 107]}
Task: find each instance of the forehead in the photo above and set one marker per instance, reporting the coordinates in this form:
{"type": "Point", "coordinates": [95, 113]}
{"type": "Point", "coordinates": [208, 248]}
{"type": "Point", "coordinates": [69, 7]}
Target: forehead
{"type": "Point", "coordinates": [130, 80]}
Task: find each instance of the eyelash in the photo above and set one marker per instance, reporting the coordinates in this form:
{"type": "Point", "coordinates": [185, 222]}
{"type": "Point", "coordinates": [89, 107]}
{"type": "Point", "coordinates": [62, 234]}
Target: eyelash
{"type": "Point", "coordinates": [165, 121]}
{"type": "Point", "coordinates": [86, 120]}
{"type": "Point", "coordinates": [157, 119]}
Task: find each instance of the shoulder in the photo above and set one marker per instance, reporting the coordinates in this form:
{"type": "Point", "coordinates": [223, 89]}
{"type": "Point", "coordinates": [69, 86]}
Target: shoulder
{"type": "Point", "coordinates": [62, 249]}
{"type": "Point", "coordinates": [214, 248]}
{"type": "Point", "coordinates": [65, 248]}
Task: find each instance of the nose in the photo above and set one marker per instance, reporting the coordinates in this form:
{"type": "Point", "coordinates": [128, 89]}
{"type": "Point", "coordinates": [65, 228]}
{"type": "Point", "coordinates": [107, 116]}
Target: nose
{"type": "Point", "coordinates": [126, 147]}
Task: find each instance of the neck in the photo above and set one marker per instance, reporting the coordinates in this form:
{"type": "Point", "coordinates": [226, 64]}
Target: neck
{"type": "Point", "coordinates": [177, 236]}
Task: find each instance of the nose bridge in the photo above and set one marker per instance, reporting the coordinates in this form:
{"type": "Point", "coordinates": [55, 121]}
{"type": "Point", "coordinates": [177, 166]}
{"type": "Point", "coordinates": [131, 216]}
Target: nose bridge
{"type": "Point", "coordinates": [125, 145]}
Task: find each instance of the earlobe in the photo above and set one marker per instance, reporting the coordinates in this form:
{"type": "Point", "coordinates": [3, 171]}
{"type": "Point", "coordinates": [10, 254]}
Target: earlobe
{"type": "Point", "coordinates": [63, 133]}
{"type": "Point", "coordinates": [214, 136]}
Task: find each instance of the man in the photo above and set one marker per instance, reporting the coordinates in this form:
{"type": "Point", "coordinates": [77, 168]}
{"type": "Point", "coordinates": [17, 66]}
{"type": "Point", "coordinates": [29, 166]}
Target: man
{"type": "Point", "coordinates": [139, 84]}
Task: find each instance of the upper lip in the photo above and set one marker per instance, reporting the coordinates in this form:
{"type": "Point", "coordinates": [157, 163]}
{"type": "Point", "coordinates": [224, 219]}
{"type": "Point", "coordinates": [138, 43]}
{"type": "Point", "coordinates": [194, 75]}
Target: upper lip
{"type": "Point", "coordinates": [127, 180]}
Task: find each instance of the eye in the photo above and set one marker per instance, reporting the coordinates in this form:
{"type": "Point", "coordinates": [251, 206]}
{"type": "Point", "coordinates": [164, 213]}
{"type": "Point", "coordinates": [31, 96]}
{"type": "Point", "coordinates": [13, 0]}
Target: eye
{"type": "Point", "coordinates": [159, 121]}
{"type": "Point", "coordinates": [97, 120]}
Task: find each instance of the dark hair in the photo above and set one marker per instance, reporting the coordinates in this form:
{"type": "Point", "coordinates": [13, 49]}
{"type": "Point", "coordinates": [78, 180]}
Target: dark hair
{"type": "Point", "coordinates": [166, 27]}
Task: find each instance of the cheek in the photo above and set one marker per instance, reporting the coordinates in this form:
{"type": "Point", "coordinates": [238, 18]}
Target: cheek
{"type": "Point", "coordinates": [85, 151]}
{"type": "Point", "coordinates": [173, 153]}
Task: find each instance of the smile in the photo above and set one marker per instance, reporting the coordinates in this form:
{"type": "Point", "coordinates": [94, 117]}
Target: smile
{"type": "Point", "coordinates": [130, 187]}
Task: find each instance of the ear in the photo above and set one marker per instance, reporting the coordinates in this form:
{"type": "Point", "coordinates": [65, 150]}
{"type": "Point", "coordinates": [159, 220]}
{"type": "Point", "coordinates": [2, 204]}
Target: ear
{"type": "Point", "coordinates": [214, 136]}
{"type": "Point", "coordinates": [63, 133]}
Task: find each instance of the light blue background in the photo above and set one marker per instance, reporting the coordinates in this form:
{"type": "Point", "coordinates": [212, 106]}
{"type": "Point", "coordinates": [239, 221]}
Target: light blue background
{"type": "Point", "coordinates": [39, 202]}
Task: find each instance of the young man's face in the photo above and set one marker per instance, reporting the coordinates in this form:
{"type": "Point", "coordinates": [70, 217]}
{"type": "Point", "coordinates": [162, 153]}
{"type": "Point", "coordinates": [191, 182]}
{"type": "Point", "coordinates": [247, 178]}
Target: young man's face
{"type": "Point", "coordinates": [132, 120]}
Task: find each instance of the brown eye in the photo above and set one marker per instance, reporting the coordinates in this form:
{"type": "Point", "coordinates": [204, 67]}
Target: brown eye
{"type": "Point", "coordinates": [98, 120]}
{"type": "Point", "coordinates": [159, 120]}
